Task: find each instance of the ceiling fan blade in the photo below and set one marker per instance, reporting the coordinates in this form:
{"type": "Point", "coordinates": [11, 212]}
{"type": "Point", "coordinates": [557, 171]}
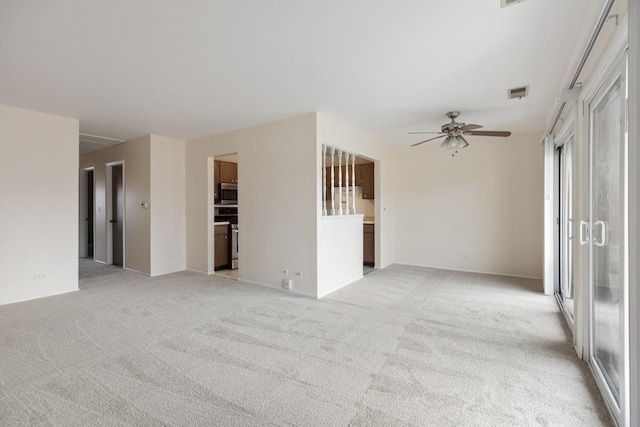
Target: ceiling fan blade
{"type": "Point", "coordinates": [470, 127]}
{"type": "Point", "coordinates": [488, 133]}
{"type": "Point", "coordinates": [422, 142]}
{"type": "Point", "coordinates": [418, 133]}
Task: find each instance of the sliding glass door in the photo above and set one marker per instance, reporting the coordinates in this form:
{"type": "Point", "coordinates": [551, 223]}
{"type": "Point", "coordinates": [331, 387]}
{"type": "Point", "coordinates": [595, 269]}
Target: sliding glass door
{"type": "Point", "coordinates": [566, 285]}
{"type": "Point", "coordinates": [606, 239]}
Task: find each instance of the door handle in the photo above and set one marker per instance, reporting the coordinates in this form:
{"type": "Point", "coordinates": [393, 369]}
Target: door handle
{"type": "Point", "coordinates": [584, 241]}
{"type": "Point", "coordinates": [603, 234]}
{"type": "Point", "coordinates": [570, 229]}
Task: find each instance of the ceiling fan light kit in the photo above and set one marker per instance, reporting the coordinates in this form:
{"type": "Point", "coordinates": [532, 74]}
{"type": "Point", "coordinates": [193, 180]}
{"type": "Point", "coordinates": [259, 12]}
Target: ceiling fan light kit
{"type": "Point", "coordinates": [454, 142]}
{"type": "Point", "coordinates": [453, 133]}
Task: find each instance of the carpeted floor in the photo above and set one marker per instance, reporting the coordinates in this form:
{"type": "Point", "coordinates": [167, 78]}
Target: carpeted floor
{"type": "Point", "coordinates": [403, 346]}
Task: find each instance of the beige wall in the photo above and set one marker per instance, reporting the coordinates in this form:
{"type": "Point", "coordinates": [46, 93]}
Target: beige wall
{"type": "Point", "coordinates": [277, 204]}
{"type": "Point", "coordinates": [478, 211]}
{"type": "Point", "coordinates": [38, 204]}
{"type": "Point", "coordinates": [137, 188]}
{"type": "Point", "coordinates": [167, 205]}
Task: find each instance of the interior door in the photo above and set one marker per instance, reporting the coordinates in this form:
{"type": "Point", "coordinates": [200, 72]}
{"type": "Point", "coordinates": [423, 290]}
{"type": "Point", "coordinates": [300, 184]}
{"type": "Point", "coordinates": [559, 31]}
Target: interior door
{"type": "Point", "coordinates": [607, 326]}
{"type": "Point", "coordinates": [90, 219]}
{"type": "Point", "coordinates": [117, 214]}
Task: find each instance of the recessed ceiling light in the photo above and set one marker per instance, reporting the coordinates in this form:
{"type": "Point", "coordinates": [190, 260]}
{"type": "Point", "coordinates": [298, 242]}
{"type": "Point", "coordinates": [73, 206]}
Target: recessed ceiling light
{"type": "Point", "coordinates": [505, 3]}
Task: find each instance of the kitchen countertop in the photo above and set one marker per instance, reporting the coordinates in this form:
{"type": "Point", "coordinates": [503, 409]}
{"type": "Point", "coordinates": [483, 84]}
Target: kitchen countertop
{"type": "Point", "coordinates": [222, 223]}
{"type": "Point", "coordinates": [368, 222]}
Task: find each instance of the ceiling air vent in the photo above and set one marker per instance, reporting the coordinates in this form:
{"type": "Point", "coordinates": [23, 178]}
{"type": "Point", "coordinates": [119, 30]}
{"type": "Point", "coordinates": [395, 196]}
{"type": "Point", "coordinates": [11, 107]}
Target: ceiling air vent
{"type": "Point", "coordinates": [505, 3]}
{"type": "Point", "coordinates": [518, 92]}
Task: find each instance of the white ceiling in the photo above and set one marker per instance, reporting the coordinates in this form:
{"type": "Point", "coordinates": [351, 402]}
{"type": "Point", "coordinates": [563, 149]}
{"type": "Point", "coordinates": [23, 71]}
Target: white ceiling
{"type": "Point", "coordinates": [191, 68]}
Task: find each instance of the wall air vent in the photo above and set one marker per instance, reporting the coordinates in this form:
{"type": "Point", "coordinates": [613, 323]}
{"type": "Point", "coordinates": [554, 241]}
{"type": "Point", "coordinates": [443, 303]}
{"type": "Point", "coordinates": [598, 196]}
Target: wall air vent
{"type": "Point", "coordinates": [518, 92]}
{"type": "Point", "coordinates": [505, 3]}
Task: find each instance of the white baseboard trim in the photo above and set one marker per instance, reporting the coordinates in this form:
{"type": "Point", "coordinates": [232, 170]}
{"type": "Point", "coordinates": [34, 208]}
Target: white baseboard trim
{"type": "Point", "coordinates": [469, 271]}
{"type": "Point", "coordinates": [136, 271]}
{"type": "Point", "coordinates": [292, 291]}
{"type": "Point", "coordinates": [18, 301]}
{"type": "Point", "coordinates": [342, 287]}
{"type": "Point", "coordinates": [197, 271]}
{"type": "Point", "coordinates": [166, 272]}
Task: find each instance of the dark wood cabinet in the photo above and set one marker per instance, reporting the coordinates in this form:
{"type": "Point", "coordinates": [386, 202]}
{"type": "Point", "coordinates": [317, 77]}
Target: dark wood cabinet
{"type": "Point", "coordinates": [367, 175]}
{"type": "Point", "coordinates": [369, 245]}
{"type": "Point", "coordinates": [228, 172]}
{"type": "Point", "coordinates": [216, 180]}
{"type": "Point", "coordinates": [358, 169]}
{"type": "Point", "coordinates": [222, 249]}
{"type": "Point", "coordinates": [364, 177]}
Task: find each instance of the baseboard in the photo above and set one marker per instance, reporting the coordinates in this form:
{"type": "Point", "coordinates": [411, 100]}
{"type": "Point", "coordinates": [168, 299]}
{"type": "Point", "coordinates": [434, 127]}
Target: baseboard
{"type": "Point", "coordinates": [136, 271]}
{"type": "Point", "coordinates": [167, 272]}
{"type": "Point", "coordinates": [18, 301]}
{"type": "Point", "coordinates": [289, 291]}
{"type": "Point", "coordinates": [341, 287]}
{"type": "Point", "coordinates": [519, 276]}
{"type": "Point", "coordinates": [197, 271]}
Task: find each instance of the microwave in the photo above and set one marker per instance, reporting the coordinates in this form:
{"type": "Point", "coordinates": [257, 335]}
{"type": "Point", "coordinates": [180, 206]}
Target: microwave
{"type": "Point", "coordinates": [228, 193]}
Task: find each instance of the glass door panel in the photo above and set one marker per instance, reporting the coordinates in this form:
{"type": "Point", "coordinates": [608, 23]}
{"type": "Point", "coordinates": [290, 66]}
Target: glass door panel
{"type": "Point", "coordinates": [607, 115]}
{"type": "Point", "coordinates": [566, 231]}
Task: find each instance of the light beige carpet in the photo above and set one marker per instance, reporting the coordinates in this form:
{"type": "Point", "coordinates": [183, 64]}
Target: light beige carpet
{"type": "Point", "coordinates": [403, 346]}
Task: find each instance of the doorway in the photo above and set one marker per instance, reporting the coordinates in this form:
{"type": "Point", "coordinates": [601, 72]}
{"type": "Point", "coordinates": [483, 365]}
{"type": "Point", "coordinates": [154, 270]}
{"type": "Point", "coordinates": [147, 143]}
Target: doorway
{"type": "Point", "coordinates": [87, 213]}
{"type": "Point", "coordinates": [226, 248]}
{"type": "Point", "coordinates": [115, 214]}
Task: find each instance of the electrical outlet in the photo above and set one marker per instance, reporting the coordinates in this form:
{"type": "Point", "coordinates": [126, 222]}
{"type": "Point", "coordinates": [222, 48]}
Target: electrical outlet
{"type": "Point", "coordinates": [287, 283]}
{"type": "Point", "coordinates": [38, 276]}
{"type": "Point", "coordinates": [299, 273]}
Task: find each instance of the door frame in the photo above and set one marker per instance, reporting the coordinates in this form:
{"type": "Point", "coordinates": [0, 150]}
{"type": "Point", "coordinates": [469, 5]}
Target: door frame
{"type": "Point", "coordinates": [634, 207]}
{"type": "Point", "coordinates": [108, 210]}
{"type": "Point", "coordinates": [83, 237]}
{"type": "Point", "coordinates": [604, 77]}
{"type": "Point", "coordinates": [566, 135]}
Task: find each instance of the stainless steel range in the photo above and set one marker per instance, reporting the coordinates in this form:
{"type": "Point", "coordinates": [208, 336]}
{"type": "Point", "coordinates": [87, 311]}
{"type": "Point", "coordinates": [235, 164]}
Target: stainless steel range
{"type": "Point", "coordinates": [234, 246]}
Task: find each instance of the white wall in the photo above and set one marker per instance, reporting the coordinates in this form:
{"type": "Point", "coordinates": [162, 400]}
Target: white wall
{"type": "Point", "coordinates": [38, 204]}
{"type": "Point", "coordinates": [336, 134]}
{"type": "Point", "coordinates": [167, 205]}
{"type": "Point", "coordinates": [480, 211]}
{"type": "Point", "coordinates": [137, 188]}
{"type": "Point", "coordinates": [277, 204]}
{"type": "Point", "coordinates": [340, 252]}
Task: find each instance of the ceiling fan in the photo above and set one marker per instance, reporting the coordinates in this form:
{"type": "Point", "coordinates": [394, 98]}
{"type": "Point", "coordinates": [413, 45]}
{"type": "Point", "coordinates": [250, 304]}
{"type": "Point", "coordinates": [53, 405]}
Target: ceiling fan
{"type": "Point", "coordinates": [454, 132]}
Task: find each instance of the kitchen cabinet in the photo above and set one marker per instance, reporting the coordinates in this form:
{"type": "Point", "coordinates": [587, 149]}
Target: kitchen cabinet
{"type": "Point", "coordinates": [358, 169]}
{"type": "Point", "coordinates": [369, 245]}
{"type": "Point", "coordinates": [228, 172]}
{"type": "Point", "coordinates": [367, 175]}
{"type": "Point", "coordinates": [222, 247]}
{"type": "Point", "coordinates": [216, 180]}
{"type": "Point", "coordinates": [364, 178]}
